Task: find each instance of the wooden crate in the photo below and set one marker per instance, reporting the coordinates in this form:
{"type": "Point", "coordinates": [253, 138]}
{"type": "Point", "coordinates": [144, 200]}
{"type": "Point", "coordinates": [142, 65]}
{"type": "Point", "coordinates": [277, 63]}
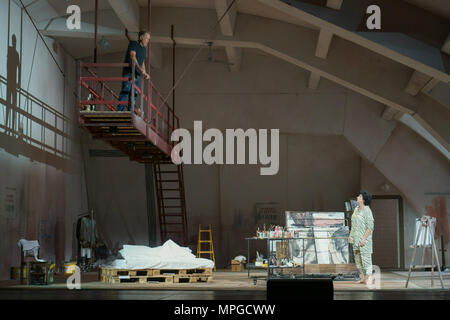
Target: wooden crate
{"type": "Point", "coordinates": [237, 266]}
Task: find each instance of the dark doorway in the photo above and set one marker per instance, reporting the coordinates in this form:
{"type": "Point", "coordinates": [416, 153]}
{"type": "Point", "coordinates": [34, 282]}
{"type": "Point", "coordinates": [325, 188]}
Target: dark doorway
{"type": "Point", "coordinates": [388, 247]}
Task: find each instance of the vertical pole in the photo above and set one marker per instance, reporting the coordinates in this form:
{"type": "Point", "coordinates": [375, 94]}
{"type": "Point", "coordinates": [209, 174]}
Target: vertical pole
{"type": "Point", "coordinates": [432, 266]}
{"type": "Point", "coordinates": [173, 76]}
{"type": "Point", "coordinates": [79, 90]}
{"type": "Point", "coordinates": [199, 243]}
{"type": "Point", "coordinates": [248, 257]}
{"type": "Point", "coordinates": [96, 31]}
{"type": "Point", "coordinates": [151, 204]}
{"type": "Point", "coordinates": [141, 103]}
{"type": "Point", "coordinates": [268, 257]}
{"type": "Point", "coordinates": [133, 78]}
{"type": "Point", "coordinates": [92, 240]}
{"type": "Point", "coordinates": [149, 53]}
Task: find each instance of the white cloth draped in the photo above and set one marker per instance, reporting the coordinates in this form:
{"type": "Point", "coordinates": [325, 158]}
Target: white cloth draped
{"type": "Point", "coordinates": [168, 256]}
{"type": "Point", "coordinates": [30, 245]}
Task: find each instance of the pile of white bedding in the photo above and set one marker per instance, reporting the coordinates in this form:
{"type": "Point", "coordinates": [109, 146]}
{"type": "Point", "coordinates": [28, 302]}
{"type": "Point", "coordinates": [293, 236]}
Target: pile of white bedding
{"type": "Point", "coordinates": [168, 256]}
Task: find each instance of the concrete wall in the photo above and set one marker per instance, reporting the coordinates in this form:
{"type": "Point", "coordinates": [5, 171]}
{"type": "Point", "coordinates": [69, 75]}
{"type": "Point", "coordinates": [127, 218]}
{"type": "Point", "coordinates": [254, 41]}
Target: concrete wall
{"type": "Point", "coordinates": [41, 187]}
{"type": "Point", "coordinates": [316, 173]}
{"type": "Point", "coordinates": [410, 163]}
{"type": "Point", "coordinates": [374, 181]}
{"type": "Point", "coordinates": [118, 197]}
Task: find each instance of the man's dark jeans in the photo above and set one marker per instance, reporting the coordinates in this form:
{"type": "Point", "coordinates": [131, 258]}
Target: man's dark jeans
{"type": "Point", "coordinates": [125, 93]}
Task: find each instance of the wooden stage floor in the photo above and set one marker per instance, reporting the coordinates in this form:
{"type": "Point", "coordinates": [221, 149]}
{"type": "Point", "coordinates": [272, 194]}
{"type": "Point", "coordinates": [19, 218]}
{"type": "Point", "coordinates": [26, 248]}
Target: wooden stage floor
{"type": "Point", "coordinates": [225, 285]}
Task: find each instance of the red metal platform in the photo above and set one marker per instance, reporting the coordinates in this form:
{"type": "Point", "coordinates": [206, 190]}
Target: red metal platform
{"type": "Point", "coordinates": [142, 133]}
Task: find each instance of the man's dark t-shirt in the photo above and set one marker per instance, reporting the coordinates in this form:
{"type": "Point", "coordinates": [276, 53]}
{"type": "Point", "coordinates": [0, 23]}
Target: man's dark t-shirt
{"type": "Point", "coordinates": [141, 53]}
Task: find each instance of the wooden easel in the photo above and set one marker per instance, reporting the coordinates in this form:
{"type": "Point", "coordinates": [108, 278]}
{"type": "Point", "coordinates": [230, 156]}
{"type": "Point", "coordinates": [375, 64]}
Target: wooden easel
{"type": "Point", "coordinates": [427, 224]}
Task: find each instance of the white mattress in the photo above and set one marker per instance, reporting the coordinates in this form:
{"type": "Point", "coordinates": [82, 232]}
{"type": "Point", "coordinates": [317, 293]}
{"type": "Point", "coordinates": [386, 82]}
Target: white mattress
{"type": "Point", "coordinates": [168, 256]}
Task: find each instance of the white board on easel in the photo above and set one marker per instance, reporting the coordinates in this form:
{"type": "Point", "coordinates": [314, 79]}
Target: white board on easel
{"type": "Point", "coordinates": [425, 238]}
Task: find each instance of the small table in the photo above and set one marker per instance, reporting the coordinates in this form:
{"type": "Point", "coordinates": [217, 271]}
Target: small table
{"type": "Point", "coordinates": [43, 268]}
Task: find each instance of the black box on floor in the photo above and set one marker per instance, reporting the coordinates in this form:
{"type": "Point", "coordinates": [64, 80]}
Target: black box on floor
{"type": "Point", "coordinates": [300, 289]}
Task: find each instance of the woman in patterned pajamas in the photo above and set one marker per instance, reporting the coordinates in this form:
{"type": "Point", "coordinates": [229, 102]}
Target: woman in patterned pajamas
{"type": "Point", "coordinates": [361, 236]}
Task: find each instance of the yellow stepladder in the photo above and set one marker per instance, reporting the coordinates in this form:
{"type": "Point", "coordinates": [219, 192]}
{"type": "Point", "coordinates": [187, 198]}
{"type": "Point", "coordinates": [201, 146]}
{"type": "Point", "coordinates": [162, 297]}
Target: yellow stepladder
{"type": "Point", "coordinates": [208, 241]}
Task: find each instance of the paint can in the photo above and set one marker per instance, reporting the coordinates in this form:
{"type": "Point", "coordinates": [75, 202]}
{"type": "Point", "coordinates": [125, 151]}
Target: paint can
{"type": "Point", "coordinates": [69, 267]}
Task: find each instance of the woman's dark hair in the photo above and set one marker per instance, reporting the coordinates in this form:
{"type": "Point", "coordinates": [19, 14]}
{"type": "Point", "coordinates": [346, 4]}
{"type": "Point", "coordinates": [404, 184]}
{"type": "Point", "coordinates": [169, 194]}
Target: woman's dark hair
{"type": "Point", "coordinates": [141, 33]}
{"type": "Point", "coordinates": [367, 197]}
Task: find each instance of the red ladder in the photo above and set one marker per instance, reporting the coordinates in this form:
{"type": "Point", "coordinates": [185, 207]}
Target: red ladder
{"type": "Point", "coordinates": [171, 201]}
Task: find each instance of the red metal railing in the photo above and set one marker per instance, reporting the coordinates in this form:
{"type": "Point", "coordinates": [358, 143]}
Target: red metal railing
{"type": "Point", "coordinates": [148, 102]}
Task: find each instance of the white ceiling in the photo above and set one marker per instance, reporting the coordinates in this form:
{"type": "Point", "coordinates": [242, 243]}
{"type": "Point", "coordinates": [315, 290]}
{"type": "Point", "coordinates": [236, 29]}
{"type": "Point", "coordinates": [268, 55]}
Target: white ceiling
{"type": "Point", "coordinates": [243, 6]}
{"type": "Point", "coordinates": [86, 5]}
{"type": "Point", "coordinates": [77, 47]}
{"type": "Point", "coordinates": [438, 7]}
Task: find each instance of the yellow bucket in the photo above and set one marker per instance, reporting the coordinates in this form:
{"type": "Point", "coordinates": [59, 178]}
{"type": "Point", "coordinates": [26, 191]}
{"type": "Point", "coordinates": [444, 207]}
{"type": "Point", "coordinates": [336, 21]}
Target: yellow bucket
{"type": "Point", "coordinates": [69, 267]}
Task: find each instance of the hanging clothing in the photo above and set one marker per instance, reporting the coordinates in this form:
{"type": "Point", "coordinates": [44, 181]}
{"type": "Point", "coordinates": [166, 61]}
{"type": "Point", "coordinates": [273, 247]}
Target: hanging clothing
{"type": "Point", "coordinates": [86, 252]}
{"type": "Point", "coordinates": [87, 232]}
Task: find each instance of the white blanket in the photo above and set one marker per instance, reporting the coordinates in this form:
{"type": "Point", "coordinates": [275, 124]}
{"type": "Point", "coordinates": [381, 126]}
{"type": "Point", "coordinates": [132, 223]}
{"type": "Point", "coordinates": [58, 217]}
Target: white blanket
{"type": "Point", "coordinates": [30, 246]}
{"type": "Point", "coordinates": [168, 256]}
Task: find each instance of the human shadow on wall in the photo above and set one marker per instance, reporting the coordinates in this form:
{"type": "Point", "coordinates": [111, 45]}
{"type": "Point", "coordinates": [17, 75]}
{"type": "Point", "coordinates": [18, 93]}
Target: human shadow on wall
{"type": "Point", "coordinates": [12, 84]}
{"type": "Point", "coordinates": [31, 127]}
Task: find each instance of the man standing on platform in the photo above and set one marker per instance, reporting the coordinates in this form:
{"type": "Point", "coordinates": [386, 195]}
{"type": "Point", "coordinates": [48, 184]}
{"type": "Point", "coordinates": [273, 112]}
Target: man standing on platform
{"type": "Point", "coordinates": [136, 52]}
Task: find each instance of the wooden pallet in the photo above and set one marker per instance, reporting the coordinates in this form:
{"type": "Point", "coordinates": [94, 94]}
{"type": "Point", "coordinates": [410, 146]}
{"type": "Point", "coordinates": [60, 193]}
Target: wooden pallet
{"type": "Point", "coordinates": [154, 272]}
{"type": "Point", "coordinates": [136, 279]}
{"type": "Point", "coordinates": [109, 275]}
{"type": "Point", "coordinates": [133, 273]}
{"type": "Point", "coordinates": [192, 279]}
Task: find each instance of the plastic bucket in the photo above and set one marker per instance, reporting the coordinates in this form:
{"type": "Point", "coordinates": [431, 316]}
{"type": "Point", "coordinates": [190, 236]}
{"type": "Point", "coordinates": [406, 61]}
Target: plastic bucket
{"type": "Point", "coordinates": [69, 267]}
